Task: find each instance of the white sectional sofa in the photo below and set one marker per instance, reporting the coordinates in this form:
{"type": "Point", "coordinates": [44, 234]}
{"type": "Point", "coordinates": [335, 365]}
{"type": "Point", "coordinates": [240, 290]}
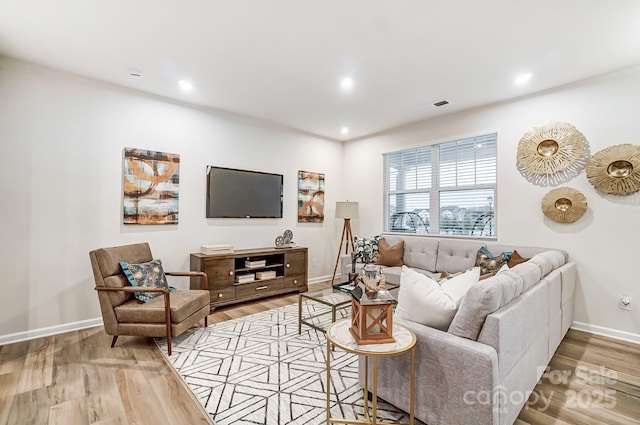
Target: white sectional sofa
{"type": "Point", "coordinates": [507, 328]}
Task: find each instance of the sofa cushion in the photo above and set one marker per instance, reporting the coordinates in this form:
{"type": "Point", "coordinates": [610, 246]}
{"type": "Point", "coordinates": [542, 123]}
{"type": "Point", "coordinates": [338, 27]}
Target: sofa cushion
{"type": "Point", "coordinates": [366, 250]}
{"type": "Point", "coordinates": [456, 256]}
{"type": "Point", "coordinates": [419, 252]}
{"type": "Point", "coordinates": [390, 256]}
{"type": "Point", "coordinates": [183, 303]}
{"type": "Point", "coordinates": [422, 300]}
{"type": "Point", "coordinates": [392, 274]}
{"type": "Point", "coordinates": [548, 260]}
{"type": "Point", "coordinates": [482, 299]}
{"type": "Point", "coordinates": [529, 272]}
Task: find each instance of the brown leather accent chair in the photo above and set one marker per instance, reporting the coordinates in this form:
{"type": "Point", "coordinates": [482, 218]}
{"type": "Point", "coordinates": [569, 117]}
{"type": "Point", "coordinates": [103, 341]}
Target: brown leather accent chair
{"type": "Point", "coordinates": [168, 315]}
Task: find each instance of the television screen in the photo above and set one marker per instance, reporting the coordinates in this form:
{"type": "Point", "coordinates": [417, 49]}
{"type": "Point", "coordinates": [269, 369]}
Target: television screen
{"type": "Point", "coordinates": [235, 193]}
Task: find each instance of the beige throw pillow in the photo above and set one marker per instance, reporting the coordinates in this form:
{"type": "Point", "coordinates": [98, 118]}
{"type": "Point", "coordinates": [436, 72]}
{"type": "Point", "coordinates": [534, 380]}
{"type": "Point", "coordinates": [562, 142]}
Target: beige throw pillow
{"type": "Point", "coordinates": [390, 256]}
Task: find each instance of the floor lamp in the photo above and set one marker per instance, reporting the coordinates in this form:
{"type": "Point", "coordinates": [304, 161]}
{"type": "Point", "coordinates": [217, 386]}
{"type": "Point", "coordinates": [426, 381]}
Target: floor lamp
{"type": "Point", "coordinates": [347, 211]}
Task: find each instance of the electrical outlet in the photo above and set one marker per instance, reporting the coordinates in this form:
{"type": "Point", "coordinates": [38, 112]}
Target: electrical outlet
{"type": "Point", "coordinates": [314, 263]}
{"type": "Point", "coordinates": [625, 302]}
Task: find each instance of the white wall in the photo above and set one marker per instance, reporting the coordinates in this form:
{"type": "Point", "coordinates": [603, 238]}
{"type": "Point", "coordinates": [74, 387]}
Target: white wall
{"type": "Point", "coordinates": [603, 243]}
{"type": "Point", "coordinates": [62, 140]}
{"type": "Point", "coordinates": [61, 183]}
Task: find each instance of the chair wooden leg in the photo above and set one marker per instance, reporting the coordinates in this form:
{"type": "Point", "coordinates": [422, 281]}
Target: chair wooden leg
{"type": "Point", "coordinates": [113, 341]}
{"type": "Point", "coordinates": [169, 344]}
{"type": "Point", "coordinates": [206, 321]}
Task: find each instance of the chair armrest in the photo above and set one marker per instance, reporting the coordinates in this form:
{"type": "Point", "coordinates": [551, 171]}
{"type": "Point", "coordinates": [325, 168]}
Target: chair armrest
{"type": "Point", "coordinates": [165, 292]}
{"type": "Point", "coordinates": [203, 275]}
{"type": "Point", "coordinates": [131, 289]}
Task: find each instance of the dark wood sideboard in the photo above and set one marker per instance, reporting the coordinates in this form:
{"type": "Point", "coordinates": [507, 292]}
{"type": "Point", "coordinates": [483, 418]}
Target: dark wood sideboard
{"type": "Point", "coordinates": [289, 264]}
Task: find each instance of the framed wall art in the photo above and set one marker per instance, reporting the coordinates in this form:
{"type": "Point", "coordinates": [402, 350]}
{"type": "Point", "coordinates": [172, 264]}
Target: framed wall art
{"type": "Point", "coordinates": [150, 187]}
{"type": "Point", "coordinates": [310, 197]}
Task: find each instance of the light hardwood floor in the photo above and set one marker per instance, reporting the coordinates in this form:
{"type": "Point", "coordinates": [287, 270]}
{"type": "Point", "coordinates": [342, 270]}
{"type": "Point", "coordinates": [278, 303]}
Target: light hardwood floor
{"type": "Point", "coordinates": [76, 378]}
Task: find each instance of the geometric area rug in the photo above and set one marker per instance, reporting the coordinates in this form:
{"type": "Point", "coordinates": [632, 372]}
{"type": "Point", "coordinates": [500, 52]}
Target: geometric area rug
{"type": "Point", "coordinates": [257, 370]}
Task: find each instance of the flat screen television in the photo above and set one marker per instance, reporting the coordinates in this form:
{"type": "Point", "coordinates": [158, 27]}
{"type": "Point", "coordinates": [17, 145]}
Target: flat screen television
{"type": "Point", "coordinates": [233, 193]}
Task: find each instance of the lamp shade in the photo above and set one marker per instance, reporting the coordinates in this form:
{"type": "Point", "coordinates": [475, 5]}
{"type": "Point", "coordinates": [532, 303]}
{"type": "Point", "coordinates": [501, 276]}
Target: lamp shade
{"type": "Point", "coordinates": [347, 209]}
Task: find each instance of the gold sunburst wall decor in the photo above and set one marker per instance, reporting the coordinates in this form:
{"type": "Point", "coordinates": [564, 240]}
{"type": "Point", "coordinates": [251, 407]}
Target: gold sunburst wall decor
{"type": "Point", "coordinates": [564, 205]}
{"type": "Point", "coordinates": [615, 169]}
{"type": "Point", "coordinates": [552, 153]}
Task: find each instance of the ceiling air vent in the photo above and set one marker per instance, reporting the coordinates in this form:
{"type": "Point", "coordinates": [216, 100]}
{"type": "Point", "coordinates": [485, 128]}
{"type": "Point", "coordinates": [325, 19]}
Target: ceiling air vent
{"type": "Point", "coordinates": [441, 103]}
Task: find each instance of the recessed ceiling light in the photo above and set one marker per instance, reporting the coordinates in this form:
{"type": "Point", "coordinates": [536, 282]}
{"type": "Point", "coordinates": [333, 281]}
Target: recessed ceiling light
{"type": "Point", "coordinates": [523, 78]}
{"type": "Point", "coordinates": [346, 83]}
{"type": "Point", "coordinates": [185, 85]}
{"type": "Point", "coordinates": [344, 130]}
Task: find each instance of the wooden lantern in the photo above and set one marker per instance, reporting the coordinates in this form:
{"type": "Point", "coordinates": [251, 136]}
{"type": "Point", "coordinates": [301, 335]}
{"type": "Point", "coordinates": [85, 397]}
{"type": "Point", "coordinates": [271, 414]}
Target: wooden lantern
{"type": "Point", "coordinates": [372, 318]}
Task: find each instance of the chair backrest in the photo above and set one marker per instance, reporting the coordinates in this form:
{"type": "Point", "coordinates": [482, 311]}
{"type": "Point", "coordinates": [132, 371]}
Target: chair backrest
{"type": "Point", "coordinates": [107, 273]}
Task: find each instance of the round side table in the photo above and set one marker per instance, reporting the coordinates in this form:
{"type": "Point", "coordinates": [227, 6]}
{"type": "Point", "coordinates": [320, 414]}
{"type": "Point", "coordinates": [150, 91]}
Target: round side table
{"type": "Point", "coordinates": [339, 336]}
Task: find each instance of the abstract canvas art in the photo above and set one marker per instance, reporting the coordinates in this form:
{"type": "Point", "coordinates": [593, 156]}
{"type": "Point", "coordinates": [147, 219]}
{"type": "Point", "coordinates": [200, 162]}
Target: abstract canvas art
{"type": "Point", "coordinates": [310, 197]}
{"type": "Point", "coordinates": [150, 187]}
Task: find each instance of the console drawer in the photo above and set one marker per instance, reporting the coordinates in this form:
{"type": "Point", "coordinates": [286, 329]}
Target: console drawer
{"type": "Point", "coordinates": [297, 282]}
{"type": "Point", "coordinates": [219, 295]}
{"type": "Point", "coordinates": [257, 288]}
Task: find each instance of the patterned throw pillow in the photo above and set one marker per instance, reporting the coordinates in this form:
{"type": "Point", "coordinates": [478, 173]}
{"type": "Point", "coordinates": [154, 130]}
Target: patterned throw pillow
{"type": "Point", "coordinates": [367, 249]}
{"type": "Point", "coordinates": [488, 263]}
{"type": "Point", "coordinates": [148, 274]}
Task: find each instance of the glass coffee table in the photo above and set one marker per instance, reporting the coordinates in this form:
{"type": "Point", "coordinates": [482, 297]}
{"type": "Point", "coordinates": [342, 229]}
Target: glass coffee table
{"type": "Point", "coordinates": [329, 304]}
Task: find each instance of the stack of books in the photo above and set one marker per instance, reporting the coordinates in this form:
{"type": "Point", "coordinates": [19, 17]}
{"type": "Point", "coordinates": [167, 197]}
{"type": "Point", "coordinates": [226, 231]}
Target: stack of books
{"type": "Point", "coordinates": [245, 278]}
{"type": "Point", "coordinates": [216, 249]}
{"type": "Point", "coordinates": [255, 263]}
{"type": "Point", "coordinates": [268, 274]}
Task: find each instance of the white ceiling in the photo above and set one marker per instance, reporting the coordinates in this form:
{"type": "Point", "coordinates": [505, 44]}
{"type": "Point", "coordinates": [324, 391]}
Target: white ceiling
{"type": "Point", "coordinates": [282, 60]}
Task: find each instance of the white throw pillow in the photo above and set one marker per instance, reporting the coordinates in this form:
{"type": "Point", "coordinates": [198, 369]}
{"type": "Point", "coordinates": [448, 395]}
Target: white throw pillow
{"type": "Point", "coordinates": [457, 287]}
{"type": "Point", "coordinates": [422, 300]}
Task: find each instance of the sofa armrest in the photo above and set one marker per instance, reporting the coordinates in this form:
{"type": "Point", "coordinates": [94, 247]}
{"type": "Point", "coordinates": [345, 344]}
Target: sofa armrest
{"type": "Point", "coordinates": [455, 378]}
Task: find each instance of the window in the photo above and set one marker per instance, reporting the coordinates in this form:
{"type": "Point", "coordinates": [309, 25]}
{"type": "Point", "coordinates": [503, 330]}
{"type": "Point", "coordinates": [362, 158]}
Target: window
{"type": "Point", "coordinates": [444, 189]}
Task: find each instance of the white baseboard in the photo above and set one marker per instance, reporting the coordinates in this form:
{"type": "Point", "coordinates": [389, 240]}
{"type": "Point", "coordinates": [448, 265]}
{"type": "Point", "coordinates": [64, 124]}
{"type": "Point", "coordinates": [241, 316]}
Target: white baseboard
{"type": "Point", "coordinates": [601, 330]}
{"type": "Point", "coordinates": [321, 279]}
{"type": "Point", "coordinates": [83, 324]}
{"type": "Point", "coordinates": [50, 330]}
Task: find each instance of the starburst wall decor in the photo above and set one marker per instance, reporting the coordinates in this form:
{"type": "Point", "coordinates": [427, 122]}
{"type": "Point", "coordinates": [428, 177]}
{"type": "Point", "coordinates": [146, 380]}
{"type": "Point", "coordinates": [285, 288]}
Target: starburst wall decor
{"type": "Point", "coordinates": [552, 153]}
{"type": "Point", "coordinates": [615, 169]}
{"type": "Point", "coordinates": [564, 205]}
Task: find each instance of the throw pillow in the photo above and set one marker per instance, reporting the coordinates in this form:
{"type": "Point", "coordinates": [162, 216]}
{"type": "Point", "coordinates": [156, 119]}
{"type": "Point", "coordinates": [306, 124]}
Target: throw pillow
{"type": "Point", "coordinates": [390, 256]}
{"type": "Point", "coordinates": [458, 285]}
{"type": "Point", "coordinates": [488, 263]}
{"type": "Point", "coordinates": [149, 275]}
{"type": "Point", "coordinates": [422, 300]}
{"type": "Point", "coordinates": [504, 267]}
{"type": "Point", "coordinates": [516, 259]}
{"type": "Point", "coordinates": [366, 249]}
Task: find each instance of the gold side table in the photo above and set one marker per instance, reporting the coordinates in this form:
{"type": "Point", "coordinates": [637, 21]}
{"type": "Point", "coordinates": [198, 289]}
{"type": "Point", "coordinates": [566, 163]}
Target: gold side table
{"type": "Point", "coordinates": [339, 336]}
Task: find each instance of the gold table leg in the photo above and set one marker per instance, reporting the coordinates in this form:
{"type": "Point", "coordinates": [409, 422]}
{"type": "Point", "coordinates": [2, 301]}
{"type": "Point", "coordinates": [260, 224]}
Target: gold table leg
{"type": "Point", "coordinates": [328, 381]}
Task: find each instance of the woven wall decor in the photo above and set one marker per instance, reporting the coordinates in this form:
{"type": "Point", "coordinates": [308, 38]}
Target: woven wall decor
{"type": "Point", "coordinates": [564, 205]}
{"type": "Point", "coordinates": [552, 153]}
{"type": "Point", "coordinates": [615, 169]}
